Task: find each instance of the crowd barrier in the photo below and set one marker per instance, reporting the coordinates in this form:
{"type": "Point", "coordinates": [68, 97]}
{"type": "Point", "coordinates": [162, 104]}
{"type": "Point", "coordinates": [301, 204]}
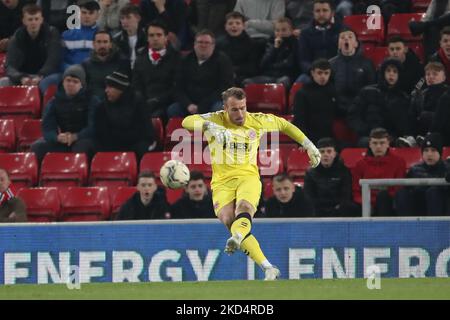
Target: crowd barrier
{"type": "Point", "coordinates": [181, 250]}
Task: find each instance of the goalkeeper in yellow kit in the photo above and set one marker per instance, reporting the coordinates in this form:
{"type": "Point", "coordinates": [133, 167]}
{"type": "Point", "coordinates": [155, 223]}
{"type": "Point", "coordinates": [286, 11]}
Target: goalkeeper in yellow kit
{"type": "Point", "coordinates": [233, 136]}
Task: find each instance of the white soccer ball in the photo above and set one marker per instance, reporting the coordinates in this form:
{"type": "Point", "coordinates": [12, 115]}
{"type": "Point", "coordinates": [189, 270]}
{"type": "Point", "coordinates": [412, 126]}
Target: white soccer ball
{"type": "Point", "coordinates": [174, 174]}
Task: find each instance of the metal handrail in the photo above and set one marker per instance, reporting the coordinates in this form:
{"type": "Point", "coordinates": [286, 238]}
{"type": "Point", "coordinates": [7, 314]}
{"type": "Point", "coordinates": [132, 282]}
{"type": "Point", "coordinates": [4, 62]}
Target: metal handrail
{"type": "Point", "coordinates": [367, 184]}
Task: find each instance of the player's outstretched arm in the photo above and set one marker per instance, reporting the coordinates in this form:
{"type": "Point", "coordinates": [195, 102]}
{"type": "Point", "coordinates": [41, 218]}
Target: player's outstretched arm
{"type": "Point", "coordinates": [296, 134]}
{"type": "Point", "coordinates": [197, 122]}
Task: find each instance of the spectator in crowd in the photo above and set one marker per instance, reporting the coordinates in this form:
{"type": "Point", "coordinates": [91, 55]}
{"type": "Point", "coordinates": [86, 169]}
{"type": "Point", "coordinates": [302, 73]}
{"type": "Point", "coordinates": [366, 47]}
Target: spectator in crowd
{"type": "Point", "coordinates": [261, 15]}
{"type": "Point", "coordinates": [441, 118]}
{"type": "Point", "coordinates": [155, 70]}
{"type": "Point", "coordinates": [329, 185]}
{"type": "Point", "coordinates": [351, 70]}
{"type": "Point", "coordinates": [315, 104]}
{"type": "Point", "coordinates": [34, 53]}
{"type": "Point", "coordinates": [390, 7]}
{"type": "Point", "coordinates": [120, 122]}
{"type": "Point", "coordinates": [210, 14]}
{"type": "Point", "coordinates": [109, 15]}
{"type": "Point", "coordinates": [174, 15]}
{"type": "Point", "coordinates": [104, 60]}
{"type": "Point", "coordinates": [55, 12]}
{"type": "Point", "coordinates": [10, 20]}
{"type": "Point", "coordinates": [12, 209]}
{"type": "Point", "coordinates": [78, 43]}
{"type": "Point", "coordinates": [68, 121]}
{"type": "Point", "coordinates": [132, 39]}
{"type": "Point", "coordinates": [289, 200]}
{"type": "Point", "coordinates": [425, 101]}
{"type": "Point", "coordinates": [412, 68]}
{"type": "Point", "coordinates": [420, 200]}
{"type": "Point", "coordinates": [435, 19]}
{"type": "Point", "coordinates": [196, 202]}
{"type": "Point", "coordinates": [279, 63]}
{"type": "Point", "coordinates": [361, 6]}
{"type": "Point", "coordinates": [147, 203]}
{"type": "Point", "coordinates": [379, 163]}
{"type": "Point", "coordinates": [319, 39]}
{"type": "Point", "coordinates": [443, 53]}
{"type": "Point", "coordinates": [301, 14]}
{"type": "Point", "coordinates": [239, 47]}
{"type": "Point", "coordinates": [381, 105]}
{"type": "Point", "coordinates": [204, 74]}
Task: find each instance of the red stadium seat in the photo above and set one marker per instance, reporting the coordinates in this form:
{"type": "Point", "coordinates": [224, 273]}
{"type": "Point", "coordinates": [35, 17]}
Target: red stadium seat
{"type": "Point", "coordinates": [377, 55]}
{"type": "Point", "coordinates": [85, 204]}
{"type": "Point", "coordinates": [30, 132]}
{"type": "Point", "coordinates": [20, 102]}
{"type": "Point", "coordinates": [411, 156]}
{"type": "Point", "coordinates": [113, 169]}
{"type": "Point", "coordinates": [159, 131]}
{"type": "Point", "coordinates": [174, 194]}
{"type": "Point", "coordinates": [270, 162]}
{"type": "Point", "coordinates": [285, 150]}
{"type": "Point", "coordinates": [175, 134]}
{"type": "Point", "coordinates": [43, 204]}
{"type": "Point", "coordinates": [268, 97]}
{"type": "Point", "coordinates": [153, 162]}
{"type": "Point", "coordinates": [119, 196]}
{"type": "Point", "coordinates": [399, 25]}
{"type": "Point", "coordinates": [351, 156]}
{"type": "Point", "coordinates": [201, 161]}
{"type": "Point", "coordinates": [342, 131]}
{"type": "Point", "coordinates": [64, 169]}
{"type": "Point", "coordinates": [295, 87]}
{"type": "Point", "coordinates": [268, 190]}
{"type": "Point", "coordinates": [7, 135]}
{"type": "Point", "coordinates": [359, 23]}
{"type": "Point", "coordinates": [297, 164]}
{"type": "Point", "coordinates": [22, 168]}
{"type": "Point", "coordinates": [446, 153]}
{"type": "Point", "coordinates": [420, 5]}
{"type": "Point", "coordinates": [2, 64]}
{"type": "Point", "coordinates": [48, 95]}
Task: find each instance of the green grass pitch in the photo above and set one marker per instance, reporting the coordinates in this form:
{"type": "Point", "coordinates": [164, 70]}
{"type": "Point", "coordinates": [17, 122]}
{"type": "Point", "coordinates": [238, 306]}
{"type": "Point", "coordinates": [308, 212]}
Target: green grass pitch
{"type": "Point", "coordinates": [426, 288]}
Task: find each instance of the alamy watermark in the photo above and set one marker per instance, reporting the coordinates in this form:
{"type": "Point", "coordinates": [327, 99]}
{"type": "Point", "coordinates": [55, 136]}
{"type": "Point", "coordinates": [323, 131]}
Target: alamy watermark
{"type": "Point", "coordinates": [373, 274]}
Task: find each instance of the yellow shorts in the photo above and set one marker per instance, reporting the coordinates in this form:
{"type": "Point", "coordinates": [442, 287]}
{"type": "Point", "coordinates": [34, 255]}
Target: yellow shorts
{"type": "Point", "coordinates": [243, 188]}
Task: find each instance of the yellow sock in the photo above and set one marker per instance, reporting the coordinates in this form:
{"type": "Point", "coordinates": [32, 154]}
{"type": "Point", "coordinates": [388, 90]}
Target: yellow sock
{"type": "Point", "coordinates": [242, 225]}
{"type": "Point", "coordinates": [250, 246]}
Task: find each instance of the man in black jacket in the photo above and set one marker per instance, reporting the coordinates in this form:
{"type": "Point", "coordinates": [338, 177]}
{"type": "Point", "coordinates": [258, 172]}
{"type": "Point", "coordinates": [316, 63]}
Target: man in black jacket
{"type": "Point", "coordinates": [34, 52]}
{"type": "Point", "coordinates": [196, 202]}
{"type": "Point", "coordinates": [104, 60]}
{"type": "Point", "coordinates": [239, 47]}
{"type": "Point", "coordinates": [204, 74]}
{"type": "Point", "coordinates": [10, 20]}
{"type": "Point", "coordinates": [278, 64]}
{"type": "Point", "coordinates": [351, 70]}
{"type": "Point", "coordinates": [120, 124]}
{"type": "Point", "coordinates": [426, 101]}
{"type": "Point", "coordinates": [68, 121]}
{"type": "Point", "coordinates": [412, 68]}
{"type": "Point", "coordinates": [131, 39]}
{"type": "Point", "coordinates": [419, 200]}
{"type": "Point", "coordinates": [381, 105]}
{"type": "Point", "coordinates": [329, 185]}
{"type": "Point", "coordinates": [315, 104]}
{"type": "Point", "coordinates": [319, 39]}
{"type": "Point", "coordinates": [155, 70]}
{"type": "Point", "coordinates": [289, 200]}
{"type": "Point", "coordinates": [147, 203]}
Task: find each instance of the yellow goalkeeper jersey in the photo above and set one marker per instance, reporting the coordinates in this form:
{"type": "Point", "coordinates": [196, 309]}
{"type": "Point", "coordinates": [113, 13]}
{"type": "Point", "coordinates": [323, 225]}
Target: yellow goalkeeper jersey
{"type": "Point", "coordinates": [238, 157]}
